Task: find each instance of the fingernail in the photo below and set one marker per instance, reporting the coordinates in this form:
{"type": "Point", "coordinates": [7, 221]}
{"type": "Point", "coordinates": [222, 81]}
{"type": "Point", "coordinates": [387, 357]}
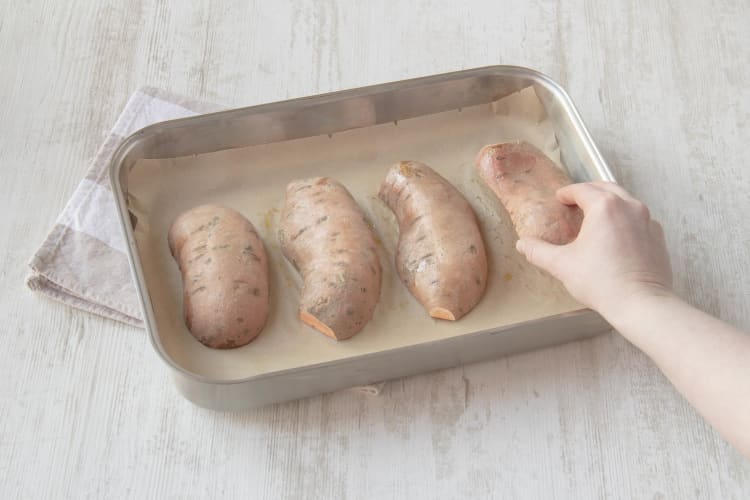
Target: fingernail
{"type": "Point", "coordinates": [520, 246]}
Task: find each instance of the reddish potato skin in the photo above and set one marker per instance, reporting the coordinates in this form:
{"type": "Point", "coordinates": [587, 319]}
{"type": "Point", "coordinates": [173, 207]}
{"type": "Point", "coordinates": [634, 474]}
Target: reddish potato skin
{"type": "Point", "coordinates": [441, 256]}
{"type": "Point", "coordinates": [525, 181]}
{"type": "Point", "coordinates": [324, 234]}
{"type": "Point", "coordinates": [224, 274]}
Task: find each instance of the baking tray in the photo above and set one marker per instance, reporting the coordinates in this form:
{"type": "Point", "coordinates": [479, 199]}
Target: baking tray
{"type": "Point", "coordinates": [215, 379]}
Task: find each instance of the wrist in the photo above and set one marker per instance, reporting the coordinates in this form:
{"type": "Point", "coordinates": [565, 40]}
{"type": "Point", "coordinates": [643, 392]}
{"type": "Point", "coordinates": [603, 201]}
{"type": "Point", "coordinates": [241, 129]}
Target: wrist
{"type": "Point", "coordinates": [633, 306]}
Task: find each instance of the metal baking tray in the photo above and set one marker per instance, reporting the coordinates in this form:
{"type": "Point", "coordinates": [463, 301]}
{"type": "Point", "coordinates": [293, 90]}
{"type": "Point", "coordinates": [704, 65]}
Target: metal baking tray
{"type": "Point", "coordinates": [328, 115]}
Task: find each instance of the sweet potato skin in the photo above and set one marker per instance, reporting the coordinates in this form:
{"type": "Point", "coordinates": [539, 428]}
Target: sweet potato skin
{"type": "Point", "coordinates": [324, 234]}
{"type": "Point", "coordinates": [525, 180]}
{"type": "Point", "coordinates": [224, 274]}
{"type": "Point", "coordinates": [441, 256]}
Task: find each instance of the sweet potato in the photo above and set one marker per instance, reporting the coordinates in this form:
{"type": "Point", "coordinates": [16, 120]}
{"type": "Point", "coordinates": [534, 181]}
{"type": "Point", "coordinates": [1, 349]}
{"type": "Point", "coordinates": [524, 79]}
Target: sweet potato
{"type": "Point", "coordinates": [441, 256]}
{"type": "Point", "coordinates": [224, 275]}
{"type": "Point", "coordinates": [325, 236]}
{"type": "Point", "coordinates": [525, 181]}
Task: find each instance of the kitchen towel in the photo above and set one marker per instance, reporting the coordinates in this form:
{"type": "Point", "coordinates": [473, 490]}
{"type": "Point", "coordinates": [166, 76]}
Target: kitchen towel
{"type": "Point", "coordinates": [82, 261]}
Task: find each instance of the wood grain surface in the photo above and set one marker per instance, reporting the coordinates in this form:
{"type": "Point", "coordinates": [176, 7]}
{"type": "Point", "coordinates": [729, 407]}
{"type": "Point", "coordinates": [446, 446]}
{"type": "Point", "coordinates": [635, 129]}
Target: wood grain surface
{"type": "Point", "coordinates": [88, 411]}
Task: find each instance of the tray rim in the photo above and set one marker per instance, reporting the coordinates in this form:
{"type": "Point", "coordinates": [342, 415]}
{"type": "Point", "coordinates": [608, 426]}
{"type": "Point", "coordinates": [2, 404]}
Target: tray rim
{"type": "Point", "coordinates": [122, 151]}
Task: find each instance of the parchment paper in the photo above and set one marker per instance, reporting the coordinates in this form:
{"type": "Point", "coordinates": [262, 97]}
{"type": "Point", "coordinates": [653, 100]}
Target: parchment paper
{"type": "Point", "coordinates": [252, 181]}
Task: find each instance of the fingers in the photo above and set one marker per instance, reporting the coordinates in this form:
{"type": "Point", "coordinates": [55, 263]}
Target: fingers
{"type": "Point", "coordinates": [584, 195]}
{"type": "Point", "coordinates": [613, 188]}
{"type": "Point", "coordinates": [573, 194]}
{"type": "Point", "coordinates": [587, 194]}
{"type": "Point", "coordinates": [637, 206]}
{"type": "Point", "coordinates": [542, 254]}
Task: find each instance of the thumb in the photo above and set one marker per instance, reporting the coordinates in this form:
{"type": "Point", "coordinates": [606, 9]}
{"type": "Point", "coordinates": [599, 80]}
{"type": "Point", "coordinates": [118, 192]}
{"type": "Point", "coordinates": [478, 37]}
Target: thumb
{"type": "Point", "coordinates": [541, 253]}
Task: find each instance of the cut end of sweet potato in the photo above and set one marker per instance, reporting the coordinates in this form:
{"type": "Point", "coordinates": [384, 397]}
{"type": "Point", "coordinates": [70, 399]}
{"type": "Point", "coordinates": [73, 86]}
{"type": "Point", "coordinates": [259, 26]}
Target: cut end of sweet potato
{"type": "Point", "coordinates": [314, 322]}
{"type": "Point", "coordinates": [442, 313]}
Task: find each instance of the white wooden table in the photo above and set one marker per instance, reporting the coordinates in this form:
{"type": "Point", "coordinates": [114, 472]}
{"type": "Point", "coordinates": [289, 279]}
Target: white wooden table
{"type": "Point", "coordinates": [87, 410]}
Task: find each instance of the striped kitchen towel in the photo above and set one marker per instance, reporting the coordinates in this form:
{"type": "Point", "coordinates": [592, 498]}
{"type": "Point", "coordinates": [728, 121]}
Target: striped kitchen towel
{"type": "Point", "coordinates": [82, 261]}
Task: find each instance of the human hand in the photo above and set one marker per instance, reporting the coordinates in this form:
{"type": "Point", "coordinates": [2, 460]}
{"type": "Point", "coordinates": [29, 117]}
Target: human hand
{"type": "Point", "coordinates": [619, 253]}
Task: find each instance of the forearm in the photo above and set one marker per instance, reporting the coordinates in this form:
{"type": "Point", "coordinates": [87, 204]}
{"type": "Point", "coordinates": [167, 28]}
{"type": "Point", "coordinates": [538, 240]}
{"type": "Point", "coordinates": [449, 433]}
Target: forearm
{"type": "Point", "coordinates": [706, 359]}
